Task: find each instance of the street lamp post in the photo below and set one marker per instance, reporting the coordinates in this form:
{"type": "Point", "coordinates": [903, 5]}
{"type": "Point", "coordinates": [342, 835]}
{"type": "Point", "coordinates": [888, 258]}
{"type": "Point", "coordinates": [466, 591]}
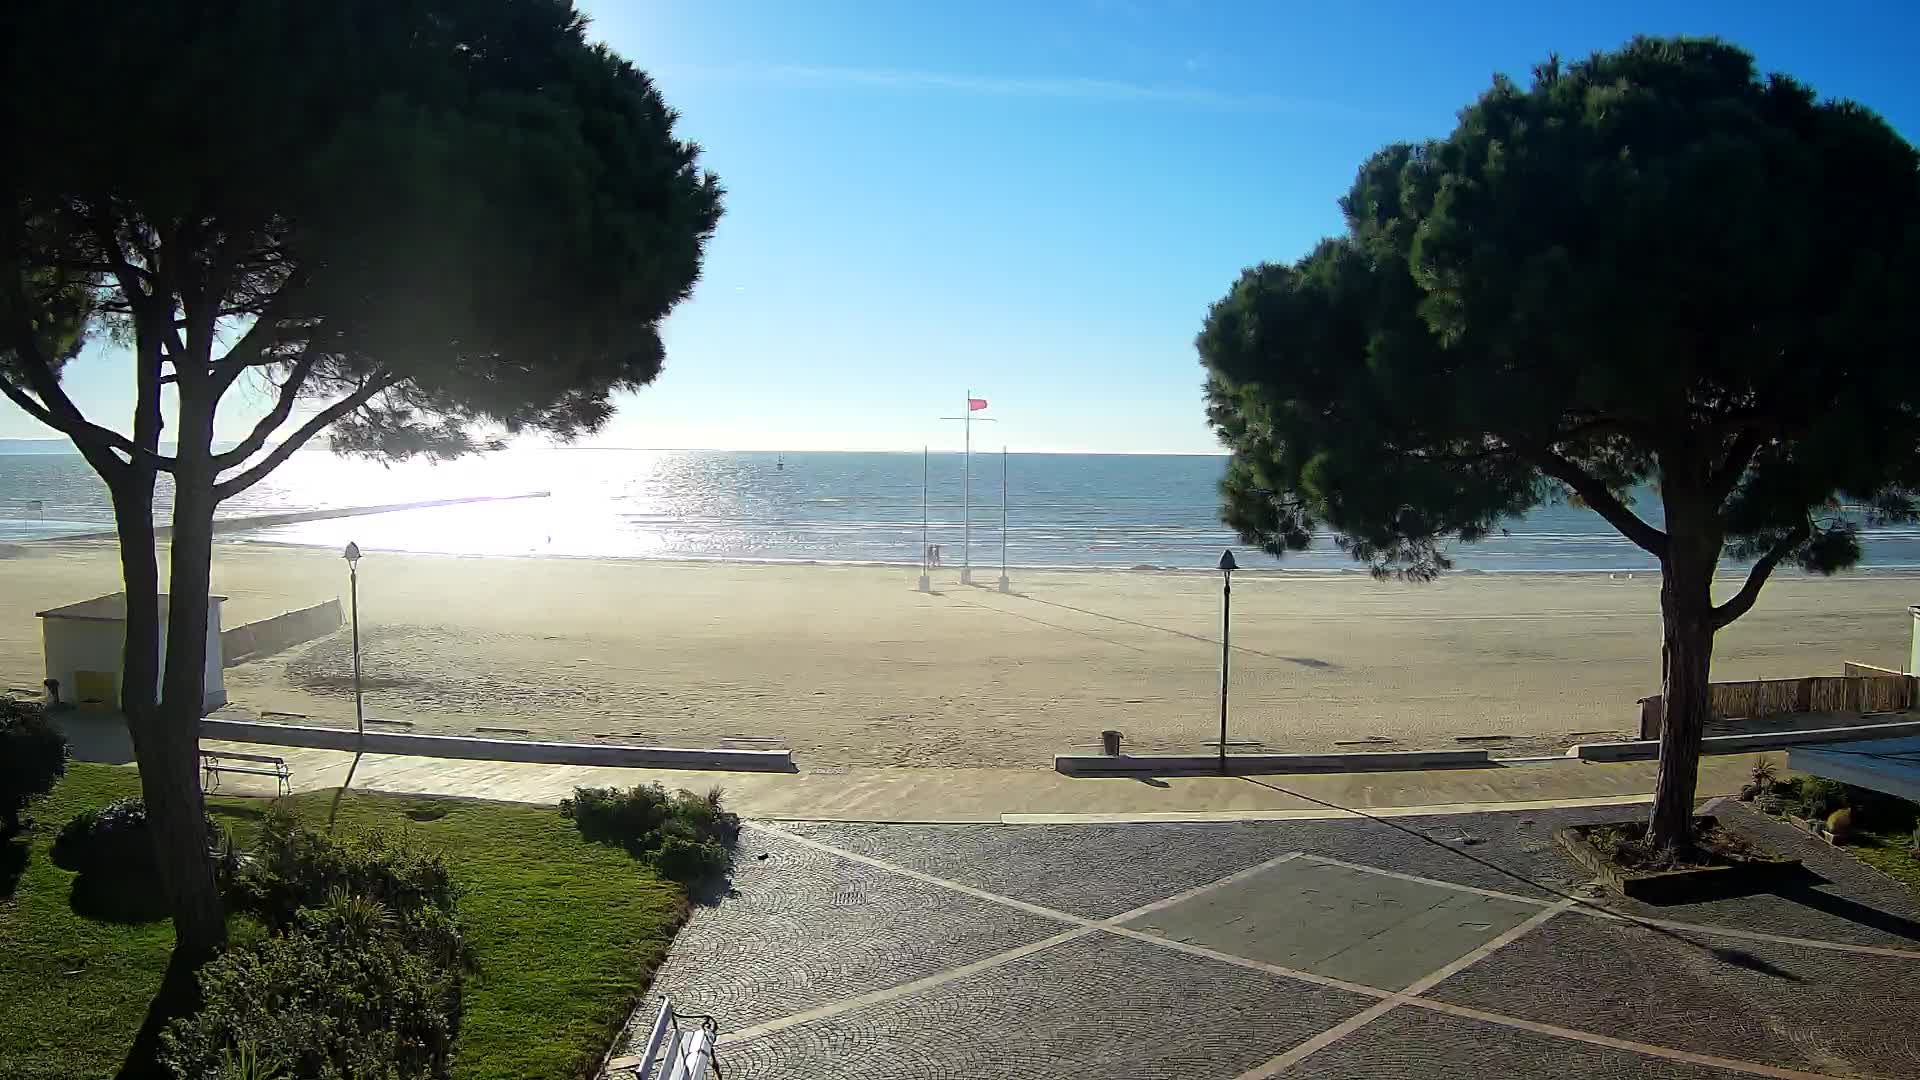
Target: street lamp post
{"type": "Point", "coordinates": [1227, 567]}
{"type": "Point", "coordinates": [353, 586]}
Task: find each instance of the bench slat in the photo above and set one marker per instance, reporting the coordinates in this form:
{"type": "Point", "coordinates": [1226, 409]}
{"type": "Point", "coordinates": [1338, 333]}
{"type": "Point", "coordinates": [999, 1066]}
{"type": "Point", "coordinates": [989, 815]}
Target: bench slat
{"type": "Point", "coordinates": [224, 756]}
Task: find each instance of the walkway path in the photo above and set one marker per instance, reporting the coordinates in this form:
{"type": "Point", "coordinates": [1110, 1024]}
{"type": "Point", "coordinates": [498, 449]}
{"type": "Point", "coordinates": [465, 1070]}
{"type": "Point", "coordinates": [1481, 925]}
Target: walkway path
{"type": "Point", "coordinates": [1448, 946]}
{"type": "Point", "coordinates": [1030, 796]}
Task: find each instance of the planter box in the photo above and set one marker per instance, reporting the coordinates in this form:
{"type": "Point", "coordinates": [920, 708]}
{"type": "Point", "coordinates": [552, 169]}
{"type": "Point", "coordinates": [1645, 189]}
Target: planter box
{"type": "Point", "coordinates": [1808, 825]}
{"type": "Point", "coordinates": [1675, 886]}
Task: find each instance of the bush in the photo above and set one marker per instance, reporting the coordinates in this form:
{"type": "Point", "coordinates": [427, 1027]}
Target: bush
{"type": "Point", "coordinates": [361, 979]}
{"type": "Point", "coordinates": [1821, 797]}
{"type": "Point", "coordinates": [685, 837]}
{"type": "Point", "coordinates": [294, 867]}
{"type": "Point", "coordinates": [347, 993]}
{"type": "Point", "coordinates": [33, 757]}
{"type": "Point", "coordinates": [686, 861]}
{"type": "Point", "coordinates": [1840, 824]}
{"type": "Point", "coordinates": [113, 839]}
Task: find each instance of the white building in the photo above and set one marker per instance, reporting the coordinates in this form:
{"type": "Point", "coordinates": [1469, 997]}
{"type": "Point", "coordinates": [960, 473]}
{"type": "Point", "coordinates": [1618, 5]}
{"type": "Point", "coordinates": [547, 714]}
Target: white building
{"type": "Point", "coordinates": [84, 644]}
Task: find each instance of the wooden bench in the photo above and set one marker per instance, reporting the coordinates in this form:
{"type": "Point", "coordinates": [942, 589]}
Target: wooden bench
{"type": "Point", "coordinates": [213, 763]}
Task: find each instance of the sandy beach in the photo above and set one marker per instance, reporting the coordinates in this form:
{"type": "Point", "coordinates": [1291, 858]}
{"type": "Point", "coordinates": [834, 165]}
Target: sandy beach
{"type": "Point", "coordinates": [852, 666]}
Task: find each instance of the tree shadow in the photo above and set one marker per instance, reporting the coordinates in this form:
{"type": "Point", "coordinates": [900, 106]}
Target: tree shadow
{"type": "Point", "coordinates": [179, 995]}
{"type": "Point", "coordinates": [121, 899]}
{"type": "Point", "coordinates": [246, 813]}
{"type": "Point", "coordinates": [13, 863]}
{"type": "Point", "coordinates": [1852, 911]}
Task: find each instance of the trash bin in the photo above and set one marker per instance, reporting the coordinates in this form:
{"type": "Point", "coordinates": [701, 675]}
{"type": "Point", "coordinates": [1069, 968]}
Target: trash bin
{"type": "Point", "coordinates": [1110, 743]}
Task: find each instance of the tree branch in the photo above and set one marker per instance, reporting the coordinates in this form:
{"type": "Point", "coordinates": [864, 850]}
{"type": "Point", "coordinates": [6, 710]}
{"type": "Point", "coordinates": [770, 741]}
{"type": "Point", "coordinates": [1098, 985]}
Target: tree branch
{"type": "Point", "coordinates": [270, 423]}
{"type": "Point", "coordinates": [1742, 602]}
{"type": "Point", "coordinates": [1600, 500]}
{"type": "Point", "coordinates": [1734, 465]}
{"type": "Point", "coordinates": [56, 410]}
{"type": "Point", "coordinates": [228, 488]}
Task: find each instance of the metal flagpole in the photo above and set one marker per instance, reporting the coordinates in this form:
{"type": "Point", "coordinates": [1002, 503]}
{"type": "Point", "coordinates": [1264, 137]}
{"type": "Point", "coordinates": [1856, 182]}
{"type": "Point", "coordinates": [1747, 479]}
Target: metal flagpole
{"type": "Point", "coordinates": [925, 584]}
{"type": "Point", "coordinates": [966, 492]}
{"type": "Point", "coordinates": [966, 501]}
{"type": "Point", "coordinates": [1004, 586]}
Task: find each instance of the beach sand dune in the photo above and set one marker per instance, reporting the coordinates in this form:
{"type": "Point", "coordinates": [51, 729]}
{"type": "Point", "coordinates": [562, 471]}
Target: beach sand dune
{"type": "Point", "coordinates": [850, 665]}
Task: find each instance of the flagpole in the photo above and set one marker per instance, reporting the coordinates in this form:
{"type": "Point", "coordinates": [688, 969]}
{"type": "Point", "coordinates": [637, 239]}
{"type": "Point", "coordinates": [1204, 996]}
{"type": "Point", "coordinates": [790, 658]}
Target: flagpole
{"type": "Point", "coordinates": [966, 500]}
{"type": "Point", "coordinates": [925, 585]}
{"type": "Point", "coordinates": [1004, 587]}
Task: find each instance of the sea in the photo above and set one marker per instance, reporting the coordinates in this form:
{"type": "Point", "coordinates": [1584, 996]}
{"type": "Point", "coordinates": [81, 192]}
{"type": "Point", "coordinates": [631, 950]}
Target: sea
{"type": "Point", "coordinates": [1059, 510]}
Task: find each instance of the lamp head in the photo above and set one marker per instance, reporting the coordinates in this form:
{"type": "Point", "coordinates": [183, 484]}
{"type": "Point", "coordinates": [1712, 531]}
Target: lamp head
{"type": "Point", "coordinates": [1226, 561]}
{"type": "Point", "coordinates": [353, 554]}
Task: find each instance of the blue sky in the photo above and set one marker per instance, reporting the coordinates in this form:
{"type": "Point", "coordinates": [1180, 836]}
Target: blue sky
{"type": "Point", "coordinates": [1038, 201]}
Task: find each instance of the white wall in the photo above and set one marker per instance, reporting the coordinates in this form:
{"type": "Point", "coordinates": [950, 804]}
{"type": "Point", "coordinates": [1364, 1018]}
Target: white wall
{"type": "Point", "coordinates": [75, 645]}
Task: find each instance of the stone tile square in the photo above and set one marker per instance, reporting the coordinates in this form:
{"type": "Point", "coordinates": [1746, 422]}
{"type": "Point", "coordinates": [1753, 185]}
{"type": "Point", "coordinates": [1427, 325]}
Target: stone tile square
{"type": "Point", "coordinates": [1338, 921]}
{"type": "Point", "coordinates": [1416, 1044]}
{"type": "Point", "coordinates": [1094, 871]}
{"type": "Point", "coordinates": [1788, 1006]}
{"type": "Point", "coordinates": [1098, 1006]}
{"type": "Point", "coordinates": [801, 928]}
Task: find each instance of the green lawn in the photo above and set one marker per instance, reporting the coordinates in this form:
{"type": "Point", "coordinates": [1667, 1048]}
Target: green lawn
{"type": "Point", "coordinates": [1890, 853]}
{"type": "Point", "coordinates": [566, 934]}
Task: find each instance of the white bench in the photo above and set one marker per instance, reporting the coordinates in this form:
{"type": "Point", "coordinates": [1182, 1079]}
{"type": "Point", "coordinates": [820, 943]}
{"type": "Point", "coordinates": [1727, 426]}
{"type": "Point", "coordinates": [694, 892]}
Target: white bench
{"type": "Point", "coordinates": [213, 763]}
{"type": "Point", "coordinates": [674, 1052]}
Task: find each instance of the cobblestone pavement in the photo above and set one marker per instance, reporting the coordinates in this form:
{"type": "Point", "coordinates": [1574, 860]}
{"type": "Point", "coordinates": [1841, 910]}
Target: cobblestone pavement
{"type": "Point", "coordinates": [1463, 946]}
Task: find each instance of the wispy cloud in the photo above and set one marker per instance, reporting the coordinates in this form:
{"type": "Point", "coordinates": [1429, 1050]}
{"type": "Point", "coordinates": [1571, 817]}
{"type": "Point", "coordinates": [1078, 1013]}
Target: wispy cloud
{"type": "Point", "coordinates": [1108, 91]}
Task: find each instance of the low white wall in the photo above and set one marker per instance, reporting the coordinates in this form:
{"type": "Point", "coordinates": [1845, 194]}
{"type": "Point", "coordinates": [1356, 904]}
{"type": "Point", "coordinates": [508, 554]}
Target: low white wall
{"type": "Point", "coordinates": [71, 646]}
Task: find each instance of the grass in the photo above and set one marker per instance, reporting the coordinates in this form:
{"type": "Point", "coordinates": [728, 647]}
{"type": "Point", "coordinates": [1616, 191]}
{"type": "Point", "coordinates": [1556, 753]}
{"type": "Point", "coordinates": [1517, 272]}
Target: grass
{"type": "Point", "coordinates": [567, 934]}
{"type": "Point", "coordinates": [1890, 853]}
{"type": "Point", "coordinates": [1884, 840]}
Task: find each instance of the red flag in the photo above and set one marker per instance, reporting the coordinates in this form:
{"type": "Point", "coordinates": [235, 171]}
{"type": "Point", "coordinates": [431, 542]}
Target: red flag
{"type": "Point", "coordinates": [975, 404]}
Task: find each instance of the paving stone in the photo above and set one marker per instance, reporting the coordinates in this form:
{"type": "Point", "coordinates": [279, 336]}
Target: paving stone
{"type": "Point", "coordinates": [1783, 1005]}
{"type": "Point", "coordinates": [1844, 899]}
{"type": "Point", "coordinates": [1095, 871]}
{"type": "Point", "coordinates": [805, 928]}
{"type": "Point", "coordinates": [1098, 1006]}
{"type": "Point", "coordinates": [1335, 921]}
{"type": "Point", "coordinates": [1416, 1044]}
{"type": "Point", "coordinates": [1098, 871]}
{"type": "Point", "coordinates": [802, 927]}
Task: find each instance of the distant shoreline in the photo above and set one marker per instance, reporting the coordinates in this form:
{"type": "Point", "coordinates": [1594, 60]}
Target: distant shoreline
{"type": "Point", "coordinates": [986, 572]}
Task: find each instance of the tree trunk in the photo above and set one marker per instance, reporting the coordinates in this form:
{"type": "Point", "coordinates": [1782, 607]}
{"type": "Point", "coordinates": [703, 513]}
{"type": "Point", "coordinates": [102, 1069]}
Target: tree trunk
{"type": "Point", "coordinates": [1687, 629]}
{"type": "Point", "coordinates": [169, 758]}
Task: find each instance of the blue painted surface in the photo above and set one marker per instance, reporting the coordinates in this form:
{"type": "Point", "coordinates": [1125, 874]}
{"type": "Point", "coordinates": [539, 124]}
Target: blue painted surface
{"type": "Point", "coordinates": [1888, 765]}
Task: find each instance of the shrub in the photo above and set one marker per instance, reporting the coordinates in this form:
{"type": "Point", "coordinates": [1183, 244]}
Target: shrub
{"type": "Point", "coordinates": [1821, 797]}
{"type": "Point", "coordinates": [33, 757]}
{"type": "Point", "coordinates": [684, 860]}
{"type": "Point", "coordinates": [1840, 824]}
{"type": "Point", "coordinates": [347, 993]}
{"type": "Point", "coordinates": [294, 867]}
{"type": "Point", "coordinates": [113, 839]}
{"type": "Point", "coordinates": [685, 837]}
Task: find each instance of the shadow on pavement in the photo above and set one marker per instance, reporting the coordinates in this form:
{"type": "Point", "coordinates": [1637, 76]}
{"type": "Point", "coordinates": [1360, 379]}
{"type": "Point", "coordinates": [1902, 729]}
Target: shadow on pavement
{"type": "Point", "coordinates": [1851, 910]}
{"type": "Point", "coordinates": [1735, 957]}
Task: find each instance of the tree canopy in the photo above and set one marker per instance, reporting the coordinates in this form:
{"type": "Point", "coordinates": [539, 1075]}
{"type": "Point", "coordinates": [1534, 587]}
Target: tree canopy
{"type": "Point", "coordinates": [1651, 269]}
{"type": "Point", "coordinates": [422, 224]}
{"type": "Point", "coordinates": [436, 220]}
{"type": "Point", "coordinates": [1652, 266]}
